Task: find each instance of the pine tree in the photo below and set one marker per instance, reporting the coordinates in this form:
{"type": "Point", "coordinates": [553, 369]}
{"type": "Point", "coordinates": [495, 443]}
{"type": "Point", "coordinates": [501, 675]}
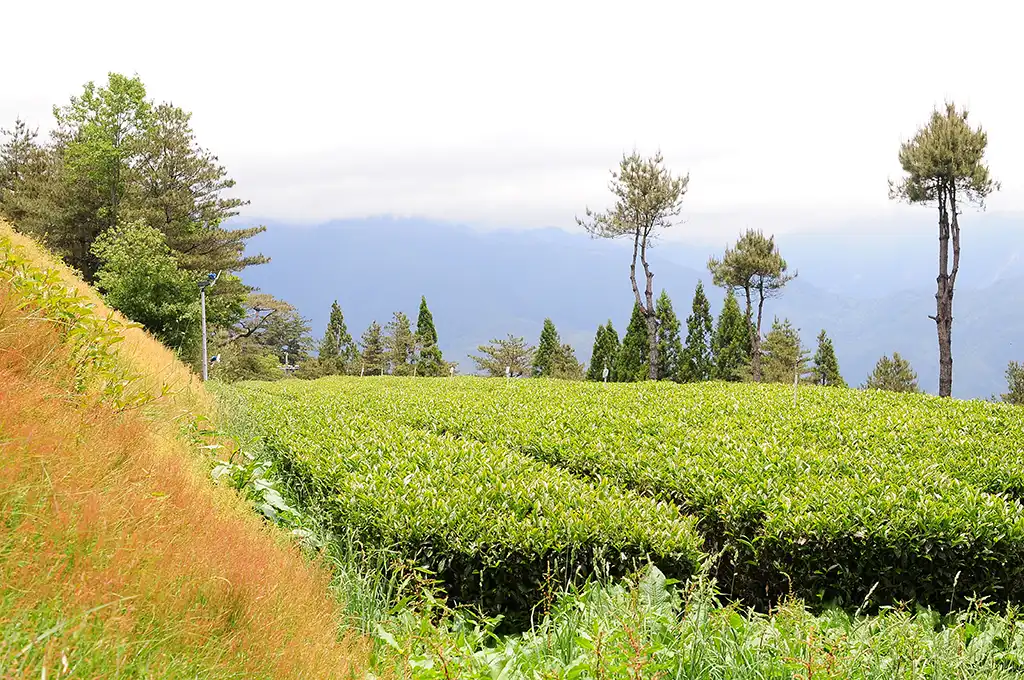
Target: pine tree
{"type": "Point", "coordinates": [731, 341]}
{"type": "Point", "coordinates": [337, 352]}
{"type": "Point", "coordinates": [783, 357]}
{"type": "Point", "coordinates": [631, 363]}
{"type": "Point", "coordinates": [697, 364]}
{"type": "Point", "coordinates": [565, 366]}
{"type": "Point", "coordinates": [1014, 384]}
{"type": "Point", "coordinates": [893, 375]}
{"type": "Point", "coordinates": [373, 350]}
{"type": "Point", "coordinates": [431, 362]}
{"type": "Point", "coordinates": [606, 348]}
{"type": "Point", "coordinates": [546, 356]}
{"type": "Point", "coordinates": [511, 354]}
{"type": "Point", "coordinates": [670, 347]}
{"type": "Point", "coordinates": [826, 367]}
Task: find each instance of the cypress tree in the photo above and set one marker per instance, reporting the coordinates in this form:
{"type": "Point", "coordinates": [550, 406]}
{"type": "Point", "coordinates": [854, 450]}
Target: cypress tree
{"type": "Point", "coordinates": [670, 347]}
{"type": "Point", "coordinates": [631, 362]}
{"type": "Point", "coordinates": [337, 351]}
{"type": "Point", "coordinates": [826, 367]}
{"type": "Point", "coordinates": [431, 362]}
{"type": "Point", "coordinates": [784, 358]}
{"type": "Point", "coordinates": [606, 348]}
{"type": "Point", "coordinates": [548, 349]}
{"type": "Point", "coordinates": [731, 342]}
{"type": "Point", "coordinates": [400, 344]}
{"type": "Point", "coordinates": [373, 350]}
{"type": "Point", "coordinates": [697, 364]}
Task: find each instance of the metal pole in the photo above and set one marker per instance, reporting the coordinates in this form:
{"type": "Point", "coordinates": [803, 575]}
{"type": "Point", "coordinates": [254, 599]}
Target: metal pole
{"type": "Point", "coordinates": [202, 304]}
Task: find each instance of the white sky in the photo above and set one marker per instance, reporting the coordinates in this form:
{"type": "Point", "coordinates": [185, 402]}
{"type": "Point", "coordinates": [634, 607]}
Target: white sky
{"type": "Point", "coordinates": [511, 114]}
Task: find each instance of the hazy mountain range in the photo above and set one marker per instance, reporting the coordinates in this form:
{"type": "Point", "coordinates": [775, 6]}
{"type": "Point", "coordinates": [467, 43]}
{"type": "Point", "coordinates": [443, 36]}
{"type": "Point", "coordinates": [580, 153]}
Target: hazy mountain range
{"type": "Point", "coordinates": [870, 286]}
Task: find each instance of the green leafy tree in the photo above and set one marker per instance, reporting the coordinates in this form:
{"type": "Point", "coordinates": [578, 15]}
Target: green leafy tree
{"type": "Point", "coordinates": [373, 356]}
{"type": "Point", "coordinates": [825, 370]}
{"type": "Point", "coordinates": [548, 349]}
{"type": "Point", "coordinates": [139, 276]}
{"type": "Point", "coordinates": [631, 361]}
{"type": "Point", "coordinates": [1014, 383]}
{"type": "Point", "coordinates": [512, 353]}
{"type": "Point", "coordinates": [606, 349]}
{"type": "Point", "coordinates": [730, 344]}
{"type": "Point", "coordinates": [17, 156]}
{"type": "Point", "coordinates": [697, 363]}
{"type": "Point", "coordinates": [431, 362]}
{"type": "Point", "coordinates": [400, 344]}
{"type": "Point", "coordinates": [945, 165]}
{"type": "Point", "coordinates": [670, 347]}
{"type": "Point", "coordinates": [566, 366]}
{"type": "Point", "coordinates": [338, 352]}
{"type": "Point", "coordinates": [246, 360]}
{"type": "Point", "coordinates": [647, 200]}
{"type": "Point", "coordinates": [784, 358]}
{"type": "Point", "coordinates": [755, 267]}
{"type": "Point", "coordinates": [894, 375]}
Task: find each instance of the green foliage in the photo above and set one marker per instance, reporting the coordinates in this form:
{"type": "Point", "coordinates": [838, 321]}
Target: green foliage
{"type": "Point", "coordinates": [338, 353]}
{"type": "Point", "coordinates": [496, 526]}
{"type": "Point", "coordinates": [509, 353]}
{"type": "Point", "coordinates": [606, 349]}
{"type": "Point", "coordinates": [246, 360]}
{"type": "Point", "coordinates": [893, 375]}
{"type": "Point", "coordinates": [548, 348]}
{"type": "Point", "coordinates": [400, 345]}
{"type": "Point", "coordinates": [566, 366]}
{"type": "Point", "coordinates": [373, 357]}
{"type": "Point", "coordinates": [1014, 384]}
{"type": "Point", "coordinates": [697, 362]}
{"type": "Point", "coordinates": [631, 361]}
{"type": "Point", "coordinates": [784, 357]}
{"type": "Point", "coordinates": [825, 370]}
{"type": "Point", "coordinates": [755, 267]}
{"type": "Point", "coordinates": [431, 362]}
{"type": "Point", "coordinates": [730, 344]}
{"type": "Point", "coordinates": [139, 277]}
{"type": "Point", "coordinates": [670, 347]}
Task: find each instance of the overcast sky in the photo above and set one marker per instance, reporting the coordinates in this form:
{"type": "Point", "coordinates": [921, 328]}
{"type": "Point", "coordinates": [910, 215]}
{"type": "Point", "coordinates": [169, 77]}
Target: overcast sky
{"type": "Point", "coordinates": [511, 114]}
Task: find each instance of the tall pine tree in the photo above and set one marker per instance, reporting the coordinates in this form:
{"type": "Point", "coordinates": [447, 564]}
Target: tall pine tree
{"type": "Point", "coordinates": [670, 347]}
{"type": "Point", "coordinates": [783, 360]}
{"type": "Point", "coordinates": [697, 363]}
{"type": "Point", "coordinates": [545, 358]}
{"type": "Point", "coordinates": [400, 344]}
{"type": "Point", "coordinates": [606, 348]}
{"type": "Point", "coordinates": [631, 364]}
{"type": "Point", "coordinates": [825, 370]}
{"type": "Point", "coordinates": [372, 359]}
{"type": "Point", "coordinates": [431, 362]}
{"type": "Point", "coordinates": [337, 350]}
{"type": "Point", "coordinates": [731, 341]}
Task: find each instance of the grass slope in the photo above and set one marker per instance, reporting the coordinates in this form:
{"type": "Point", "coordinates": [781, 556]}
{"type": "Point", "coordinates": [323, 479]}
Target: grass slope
{"type": "Point", "coordinates": [118, 557]}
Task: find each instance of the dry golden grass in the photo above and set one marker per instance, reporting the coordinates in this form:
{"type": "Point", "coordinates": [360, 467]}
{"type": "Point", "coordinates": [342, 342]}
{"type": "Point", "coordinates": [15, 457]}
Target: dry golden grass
{"type": "Point", "coordinates": [118, 557]}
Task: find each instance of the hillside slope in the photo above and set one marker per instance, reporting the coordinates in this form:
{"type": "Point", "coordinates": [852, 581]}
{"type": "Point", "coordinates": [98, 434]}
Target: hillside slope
{"type": "Point", "coordinates": [118, 557]}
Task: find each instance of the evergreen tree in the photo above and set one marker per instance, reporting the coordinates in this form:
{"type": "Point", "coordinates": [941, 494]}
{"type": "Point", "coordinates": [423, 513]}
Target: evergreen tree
{"type": "Point", "coordinates": [730, 344]}
{"type": "Point", "coordinates": [400, 344]}
{"type": "Point", "coordinates": [431, 362]}
{"type": "Point", "coordinates": [606, 349]}
{"type": "Point", "coordinates": [784, 358]}
{"type": "Point", "coordinates": [373, 356]}
{"type": "Point", "coordinates": [670, 347]}
{"type": "Point", "coordinates": [510, 353]}
{"type": "Point", "coordinates": [337, 350]}
{"type": "Point", "coordinates": [894, 375]}
{"type": "Point", "coordinates": [566, 366]}
{"type": "Point", "coordinates": [826, 367]}
{"type": "Point", "coordinates": [632, 360]}
{"type": "Point", "coordinates": [546, 356]}
{"type": "Point", "coordinates": [697, 364]}
{"type": "Point", "coordinates": [1014, 384]}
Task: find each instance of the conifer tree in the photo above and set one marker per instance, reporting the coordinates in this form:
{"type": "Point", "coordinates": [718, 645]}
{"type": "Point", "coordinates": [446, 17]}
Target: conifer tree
{"type": "Point", "coordinates": [510, 354]}
{"type": "Point", "coordinates": [893, 375]}
{"type": "Point", "coordinates": [730, 344]}
{"type": "Point", "coordinates": [826, 367]}
{"type": "Point", "coordinates": [1014, 384]}
{"type": "Point", "coordinates": [606, 349]}
{"type": "Point", "coordinates": [546, 356]}
{"type": "Point", "coordinates": [565, 366]}
{"type": "Point", "coordinates": [400, 345]}
{"type": "Point", "coordinates": [337, 350]}
{"type": "Point", "coordinates": [431, 362]}
{"type": "Point", "coordinates": [372, 358]}
{"type": "Point", "coordinates": [784, 358]}
{"type": "Point", "coordinates": [670, 347]}
{"type": "Point", "coordinates": [631, 364]}
{"type": "Point", "coordinates": [697, 364]}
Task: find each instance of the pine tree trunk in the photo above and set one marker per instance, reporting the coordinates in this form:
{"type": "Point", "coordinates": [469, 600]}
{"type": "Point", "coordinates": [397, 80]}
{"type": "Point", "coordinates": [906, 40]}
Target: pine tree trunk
{"type": "Point", "coordinates": [652, 319]}
{"type": "Point", "coordinates": [944, 288]}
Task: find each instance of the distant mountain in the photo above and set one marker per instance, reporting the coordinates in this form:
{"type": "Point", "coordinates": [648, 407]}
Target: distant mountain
{"type": "Point", "coordinates": [872, 291]}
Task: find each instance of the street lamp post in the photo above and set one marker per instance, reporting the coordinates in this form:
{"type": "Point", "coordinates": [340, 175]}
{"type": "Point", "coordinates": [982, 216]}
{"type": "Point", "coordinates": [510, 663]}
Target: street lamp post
{"type": "Point", "coordinates": [203, 285]}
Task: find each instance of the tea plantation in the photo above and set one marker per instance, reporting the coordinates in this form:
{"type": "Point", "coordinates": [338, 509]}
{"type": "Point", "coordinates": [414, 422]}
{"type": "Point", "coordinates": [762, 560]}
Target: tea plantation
{"type": "Point", "coordinates": [503, 487]}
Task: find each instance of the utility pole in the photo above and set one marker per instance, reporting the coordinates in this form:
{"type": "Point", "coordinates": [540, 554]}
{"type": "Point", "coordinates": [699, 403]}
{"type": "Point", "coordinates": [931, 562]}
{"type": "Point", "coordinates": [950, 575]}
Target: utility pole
{"type": "Point", "coordinates": [203, 285]}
